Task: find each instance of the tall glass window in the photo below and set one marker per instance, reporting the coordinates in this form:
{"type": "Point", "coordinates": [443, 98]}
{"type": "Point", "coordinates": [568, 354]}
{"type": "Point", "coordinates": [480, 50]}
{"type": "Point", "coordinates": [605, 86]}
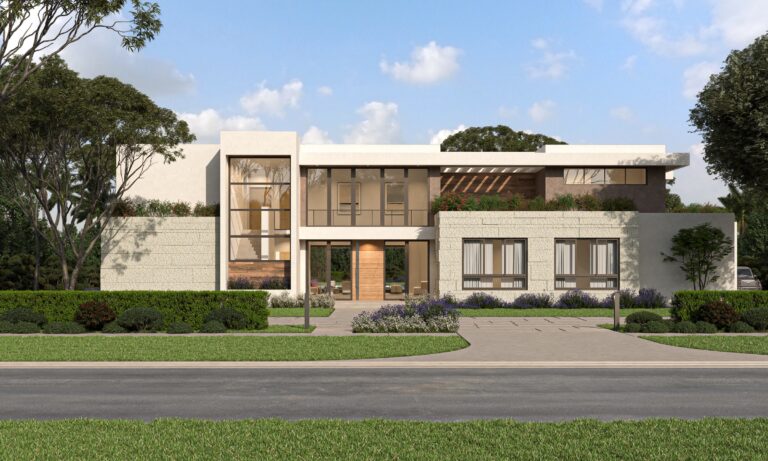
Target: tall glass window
{"type": "Point", "coordinates": [368, 182]}
{"type": "Point", "coordinates": [259, 209]}
{"type": "Point", "coordinates": [418, 197]}
{"type": "Point", "coordinates": [495, 264]}
{"type": "Point", "coordinates": [317, 197]}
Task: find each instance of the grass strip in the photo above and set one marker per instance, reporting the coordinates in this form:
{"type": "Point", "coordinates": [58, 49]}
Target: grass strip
{"type": "Point", "coordinates": [219, 348]}
{"type": "Point", "coordinates": [299, 311]}
{"type": "Point", "coordinates": [554, 312]}
{"type": "Point", "coordinates": [743, 344]}
{"type": "Point", "coordinates": [270, 439]}
{"type": "Point", "coordinates": [279, 329]}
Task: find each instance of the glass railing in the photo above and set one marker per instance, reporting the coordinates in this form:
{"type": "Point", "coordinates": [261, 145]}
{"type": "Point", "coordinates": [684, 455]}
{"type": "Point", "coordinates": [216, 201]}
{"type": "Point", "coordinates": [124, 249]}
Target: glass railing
{"type": "Point", "coordinates": [367, 218]}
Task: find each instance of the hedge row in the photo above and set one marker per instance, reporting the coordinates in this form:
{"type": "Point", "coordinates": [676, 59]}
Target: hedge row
{"type": "Point", "coordinates": [176, 306]}
{"type": "Point", "coordinates": [686, 303]}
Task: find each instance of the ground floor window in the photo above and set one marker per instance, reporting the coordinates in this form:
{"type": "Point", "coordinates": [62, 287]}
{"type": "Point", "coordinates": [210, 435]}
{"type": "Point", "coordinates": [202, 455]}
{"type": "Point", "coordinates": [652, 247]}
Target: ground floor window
{"type": "Point", "coordinates": [587, 264]}
{"type": "Point", "coordinates": [495, 264]}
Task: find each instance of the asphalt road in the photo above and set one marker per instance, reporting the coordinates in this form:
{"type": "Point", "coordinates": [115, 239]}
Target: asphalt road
{"type": "Point", "coordinates": [435, 394]}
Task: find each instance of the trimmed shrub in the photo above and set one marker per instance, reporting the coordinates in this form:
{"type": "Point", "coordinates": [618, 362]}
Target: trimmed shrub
{"type": "Point", "coordinates": [141, 319]}
{"type": "Point", "coordinates": [176, 306]}
{"type": "Point", "coordinates": [741, 327]}
{"type": "Point", "coordinates": [643, 317]}
{"type": "Point", "coordinates": [64, 328]}
{"type": "Point", "coordinates": [705, 327]}
{"type": "Point", "coordinates": [655, 326]}
{"type": "Point", "coordinates": [577, 299]}
{"type": "Point", "coordinates": [283, 300]}
{"type": "Point", "coordinates": [478, 300]}
{"type": "Point", "coordinates": [633, 328]}
{"type": "Point", "coordinates": [93, 315]}
{"type": "Point", "coordinates": [23, 314]}
{"type": "Point", "coordinates": [685, 326]}
{"type": "Point", "coordinates": [757, 318]}
{"type": "Point", "coordinates": [180, 328]}
{"type": "Point", "coordinates": [113, 327]}
{"type": "Point", "coordinates": [719, 313]}
{"type": "Point", "coordinates": [230, 318]}
{"type": "Point", "coordinates": [213, 326]}
{"type": "Point", "coordinates": [19, 328]}
{"type": "Point", "coordinates": [533, 301]}
{"type": "Point", "coordinates": [685, 303]}
{"type": "Point", "coordinates": [321, 300]}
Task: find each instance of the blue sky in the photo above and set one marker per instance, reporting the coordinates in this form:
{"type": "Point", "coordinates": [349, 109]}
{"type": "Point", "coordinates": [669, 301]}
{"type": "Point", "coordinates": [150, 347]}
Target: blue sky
{"type": "Point", "coordinates": [585, 71]}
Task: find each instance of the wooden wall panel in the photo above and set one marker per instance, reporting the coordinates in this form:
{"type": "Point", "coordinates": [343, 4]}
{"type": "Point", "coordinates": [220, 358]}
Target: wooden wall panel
{"type": "Point", "coordinates": [477, 184]}
{"type": "Point", "coordinates": [371, 271]}
{"type": "Point", "coordinates": [256, 271]}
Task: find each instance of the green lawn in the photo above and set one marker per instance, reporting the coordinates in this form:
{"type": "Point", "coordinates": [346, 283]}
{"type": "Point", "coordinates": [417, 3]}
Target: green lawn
{"type": "Point", "coordinates": [299, 311]}
{"type": "Point", "coordinates": [219, 348]}
{"type": "Point", "coordinates": [655, 439]}
{"type": "Point", "coordinates": [553, 312]}
{"type": "Point", "coordinates": [745, 344]}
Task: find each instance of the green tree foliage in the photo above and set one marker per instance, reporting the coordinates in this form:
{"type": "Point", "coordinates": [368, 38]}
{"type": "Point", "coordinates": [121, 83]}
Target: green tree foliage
{"type": "Point", "coordinates": [495, 139]}
{"type": "Point", "coordinates": [698, 250]}
{"type": "Point", "coordinates": [732, 116]}
{"type": "Point", "coordinates": [740, 203]}
{"type": "Point", "coordinates": [34, 31]}
{"type": "Point", "coordinates": [76, 146]}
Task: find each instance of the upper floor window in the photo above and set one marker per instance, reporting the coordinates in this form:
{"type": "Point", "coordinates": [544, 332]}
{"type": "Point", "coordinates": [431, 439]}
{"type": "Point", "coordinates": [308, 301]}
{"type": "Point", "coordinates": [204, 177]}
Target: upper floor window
{"type": "Point", "coordinates": [587, 264]}
{"type": "Point", "coordinates": [495, 264]}
{"type": "Point", "coordinates": [605, 176]}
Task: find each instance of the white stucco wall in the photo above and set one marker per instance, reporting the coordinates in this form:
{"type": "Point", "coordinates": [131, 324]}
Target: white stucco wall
{"type": "Point", "coordinates": [159, 254]}
{"type": "Point", "coordinates": [643, 236]}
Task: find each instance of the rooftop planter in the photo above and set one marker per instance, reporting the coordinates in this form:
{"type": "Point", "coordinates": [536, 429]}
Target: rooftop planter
{"type": "Point", "coordinates": [454, 201]}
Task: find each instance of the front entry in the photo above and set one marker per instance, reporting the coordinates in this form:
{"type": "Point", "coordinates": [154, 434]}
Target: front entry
{"type": "Point", "coordinates": [369, 270]}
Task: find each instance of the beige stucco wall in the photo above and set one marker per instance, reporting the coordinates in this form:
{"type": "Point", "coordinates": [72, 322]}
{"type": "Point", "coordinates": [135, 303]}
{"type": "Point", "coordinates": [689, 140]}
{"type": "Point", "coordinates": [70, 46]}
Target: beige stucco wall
{"type": "Point", "coordinates": [159, 254]}
{"type": "Point", "coordinates": [643, 236]}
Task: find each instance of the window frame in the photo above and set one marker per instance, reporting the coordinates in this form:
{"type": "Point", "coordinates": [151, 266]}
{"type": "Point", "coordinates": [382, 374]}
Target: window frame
{"type": "Point", "coordinates": [580, 275]}
{"type": "Point", "coordinates": [500, 276]}
{"type": "Point", "coordinates": [581, 174]}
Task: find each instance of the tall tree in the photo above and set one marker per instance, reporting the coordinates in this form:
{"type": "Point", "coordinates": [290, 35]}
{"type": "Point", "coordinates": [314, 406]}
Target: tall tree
{"type": "Point", "coordinates": [495, 139]}
{"type": "Point", "coordinates": [732, 116]}
{"type": "Point", "coordinates": [699, 250]}
{"type": "Point", "coordinates": [78, 146]}
{"type": "Point", "coordinates": [36, 30]}
{"type": "Point", "coordinates": [740, 203]}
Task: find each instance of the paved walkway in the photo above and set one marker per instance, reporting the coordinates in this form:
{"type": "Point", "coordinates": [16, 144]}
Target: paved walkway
{"type": "Point", "coordinates": [534, 339]}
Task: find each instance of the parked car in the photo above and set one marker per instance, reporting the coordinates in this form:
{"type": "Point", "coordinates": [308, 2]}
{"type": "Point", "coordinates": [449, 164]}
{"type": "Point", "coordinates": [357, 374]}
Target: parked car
{"type": "Point", "coordinates": [747, 280]}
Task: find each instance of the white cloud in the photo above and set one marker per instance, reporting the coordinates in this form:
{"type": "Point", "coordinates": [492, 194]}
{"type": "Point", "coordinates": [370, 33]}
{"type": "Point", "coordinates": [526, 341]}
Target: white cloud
{"type": "Point", "coordinates": [541, 110]}
{"type": "Point", "coordinates": [651, 31]}
{"type": "Point", "coordinates": [629, 63]}
{"type": "Point", "coordinates": [595, 4]}
{"type": "Point", "coordinates": [441, 135]}
{"type": "Point", "coordinates": [636, 6]}
{"type": "Point", "coordinates": [551, 64]}
{"type": "Point", "coordinates": [739, 22]}
{"type": "Point", "coordinates": [623, 113]}
{"type": "Point", "coordinates": [273, 101]}
{"type": "Point", "coordinates": [101, 53]}
{"type": "Point", "coordinates": [325, 90]}
{"type": "Point", "coordinates": [696, 76]}
{"type": "Point", "coordinates": [315, 135]}
{"type": "Point", "coordinates": [429, 64]}
{"type": "Point", "coordinates": [207, 124]}
{"type": "Point", "coordinates": [694, 184]}
{"type": "Point", "coordinates": [379, 125]}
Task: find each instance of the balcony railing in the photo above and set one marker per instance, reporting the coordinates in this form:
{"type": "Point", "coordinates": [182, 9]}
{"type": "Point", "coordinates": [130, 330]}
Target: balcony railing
{"type": "Point", "coordinates": [367, 218]}
{"type": "Point", "coordinates": [587, 282]}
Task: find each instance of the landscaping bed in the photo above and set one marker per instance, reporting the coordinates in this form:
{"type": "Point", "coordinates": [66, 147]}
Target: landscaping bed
{"type": "Point", "coordinates": [745, 344]}
{"type": "Point", "coordinates": [426, 316]}
{"type": "Point", "coordinates": [268, 439]}
{"type": "Point", "coordinates": [709, 318]}
{"type": "Point", "coordinates": [98, 348]}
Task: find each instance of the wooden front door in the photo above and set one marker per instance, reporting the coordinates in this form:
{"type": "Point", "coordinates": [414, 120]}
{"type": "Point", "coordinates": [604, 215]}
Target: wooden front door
{"type": "Point", "coordinates": [371, 278]}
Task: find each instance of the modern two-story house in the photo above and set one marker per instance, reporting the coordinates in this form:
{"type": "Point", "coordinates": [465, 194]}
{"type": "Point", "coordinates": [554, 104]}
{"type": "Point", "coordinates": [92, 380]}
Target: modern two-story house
{"type": "Point", "coordinates": [356, 221]}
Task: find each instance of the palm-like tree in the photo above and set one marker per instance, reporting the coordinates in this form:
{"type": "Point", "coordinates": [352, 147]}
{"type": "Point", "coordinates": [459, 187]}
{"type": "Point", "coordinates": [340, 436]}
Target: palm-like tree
{"type": "Point", "coordinates": [740, 203]}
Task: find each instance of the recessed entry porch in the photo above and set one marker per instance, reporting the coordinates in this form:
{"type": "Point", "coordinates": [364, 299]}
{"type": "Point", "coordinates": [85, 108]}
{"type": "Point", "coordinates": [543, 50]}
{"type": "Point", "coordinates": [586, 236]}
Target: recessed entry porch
{"type": "Point", "coordinates": [369, 269]}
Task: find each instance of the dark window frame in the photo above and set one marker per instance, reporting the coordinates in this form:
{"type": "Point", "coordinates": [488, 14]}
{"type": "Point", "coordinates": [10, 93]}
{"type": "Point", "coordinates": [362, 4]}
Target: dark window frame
{"type": "Point", "coordinates": [580, 275]}
{"type": "Point", "coordinates": [494, 277]}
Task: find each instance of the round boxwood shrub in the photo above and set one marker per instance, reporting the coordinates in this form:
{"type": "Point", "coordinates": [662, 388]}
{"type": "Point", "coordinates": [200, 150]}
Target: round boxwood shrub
{"type": "Point", "coordinates": [141, 319]}
{"type": "Point", "coordinates": [231, 318]}
{"type": "Point", "coordinates": [643, 317]}
{"type": "Point", "coordinates": [719, 313]}
{"type": "Point", "coordinates": [741, 327]}
{"type": "Point", "coordinates": [20, 328]}
{"type": "Point", "coordinates": [655, 326]}
{"type": "Point", "coordinates": [64, 328]}
{"type": "Point", "coordinates": [705, 327]}
{"type": "Point", "coordinates": [180, 328]}
{"type": "Point", "coordinates": [113, 327]}
{"type": "Point", "coordinates": [24, 314]}
{"type": "Point", "coordinates": [93, 315]}
{"type": "Point", "coordinates": [214, 326]}
{"type": "Point", "coordinates": [685, 326]}
{"type": "Point", "coordinates": [633, 328]}
{"type": "Point", "coordinates": [756, 317]}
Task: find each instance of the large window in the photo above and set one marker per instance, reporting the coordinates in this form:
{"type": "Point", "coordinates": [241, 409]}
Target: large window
{"type": "Point", "coordinates": [591, 264]}
{"type": "Point", "coordinates": [634, 176]}
{"type": "Point", "coordinates": [259, 209]}
{"type": "Point", "coordinates": [495, 264]}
